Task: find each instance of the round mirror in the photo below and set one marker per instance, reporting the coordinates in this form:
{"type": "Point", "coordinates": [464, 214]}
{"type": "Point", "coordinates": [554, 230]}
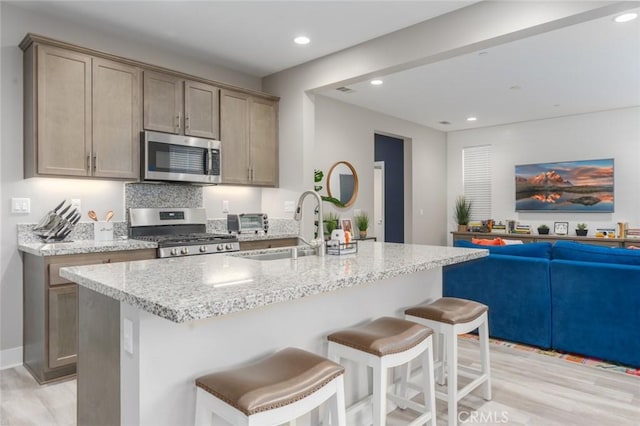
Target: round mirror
{"type": "Point", "coordinates": [342, 183]}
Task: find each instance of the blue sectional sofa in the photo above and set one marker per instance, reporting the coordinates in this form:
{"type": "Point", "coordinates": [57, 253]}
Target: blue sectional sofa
{"type": "Point", "coordinates": [572, 297]}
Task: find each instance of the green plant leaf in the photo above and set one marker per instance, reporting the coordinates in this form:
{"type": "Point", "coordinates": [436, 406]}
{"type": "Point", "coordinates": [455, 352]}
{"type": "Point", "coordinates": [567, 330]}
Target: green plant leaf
{"type": "Point", "coordinates": [318, 175]}
{"type": "Point", "coordinates": [333, 200]}
{"type": "Point", "coordinates": [317, 188]}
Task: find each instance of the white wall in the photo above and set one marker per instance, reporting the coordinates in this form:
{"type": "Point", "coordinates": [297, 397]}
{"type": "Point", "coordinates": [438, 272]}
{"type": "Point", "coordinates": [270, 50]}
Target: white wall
{"type": "Point", "coordinates": [45, 193]}
{"type": "Point", "coordinates": [609, 134]}
{"type": "Point", "coordinates": [346, 132]}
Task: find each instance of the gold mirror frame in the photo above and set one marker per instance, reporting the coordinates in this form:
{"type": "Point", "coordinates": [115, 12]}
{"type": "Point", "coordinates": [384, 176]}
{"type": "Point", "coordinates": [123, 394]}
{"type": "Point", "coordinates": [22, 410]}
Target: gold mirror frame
{"type": "Point", "coordinates": [355, 182]}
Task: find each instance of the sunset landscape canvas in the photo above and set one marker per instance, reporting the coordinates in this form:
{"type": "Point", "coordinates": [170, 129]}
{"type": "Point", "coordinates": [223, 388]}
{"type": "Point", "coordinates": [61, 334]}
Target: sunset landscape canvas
{"type": "Point", "coordinates": [578, 186]}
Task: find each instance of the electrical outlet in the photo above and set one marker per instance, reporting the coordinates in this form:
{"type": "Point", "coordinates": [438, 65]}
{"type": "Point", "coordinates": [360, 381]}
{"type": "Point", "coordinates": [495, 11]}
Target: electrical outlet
{"type": "Point", "coordinates": [357, 212]}
{"type": "Point", "coordinates": [225, 206]}
{"type": "Point", "coordinates": [21, 205]}
{"type": "Point", "coordinates": [127, 335]}
{"type": "Point", "coordinates": [289, 206]}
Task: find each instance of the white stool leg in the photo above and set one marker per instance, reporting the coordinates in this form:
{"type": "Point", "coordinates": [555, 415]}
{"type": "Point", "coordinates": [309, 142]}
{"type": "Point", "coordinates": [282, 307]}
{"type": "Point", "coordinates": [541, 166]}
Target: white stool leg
{"type": "Point", "coordinates": [440, 355]}
{"type": "Point", "coordinates": [483, 332]}
{"type": "Point", "coordinates": [337, 407]}
{"type": "Point", "coordinates": [429, 384]}
{"type": "Point", "coordinates": [379, 395]}
{"type": "Point", "coordinates": [452, 378]}
{"type": "Point", "coordinates": [404, 371]}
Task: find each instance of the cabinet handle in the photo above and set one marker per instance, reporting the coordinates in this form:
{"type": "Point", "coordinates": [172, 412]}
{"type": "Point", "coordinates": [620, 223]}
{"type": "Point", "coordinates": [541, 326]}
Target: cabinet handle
{"type": "Point", "coordinates": [88, 163]}
{"type": "Point", "coordinates": [187, 121]}
{"type": "Point", "coordinates": [95, 162]}
{"type": "Point", "coordinates": [249, 173]}
{"type": "Point", "coordinates": [178, 117]}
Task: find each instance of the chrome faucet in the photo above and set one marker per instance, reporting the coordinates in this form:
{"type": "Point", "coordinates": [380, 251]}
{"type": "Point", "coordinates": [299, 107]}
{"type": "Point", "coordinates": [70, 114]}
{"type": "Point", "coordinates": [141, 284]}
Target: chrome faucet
{"type": "Point", "coordinates": [319, 241]}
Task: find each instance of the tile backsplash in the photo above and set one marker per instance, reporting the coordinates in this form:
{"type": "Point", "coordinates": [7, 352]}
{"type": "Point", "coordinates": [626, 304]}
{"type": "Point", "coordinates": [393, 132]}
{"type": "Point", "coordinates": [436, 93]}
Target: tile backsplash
{"type": "Point", "coordinates": [148, 195]}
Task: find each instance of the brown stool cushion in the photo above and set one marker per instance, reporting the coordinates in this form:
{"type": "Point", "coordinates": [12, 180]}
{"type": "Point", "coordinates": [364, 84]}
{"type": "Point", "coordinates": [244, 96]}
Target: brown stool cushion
{"type": "Point", "coordinates": [383, 336]}
{"type": "Point", "coordinates": [281, 379]}
{"type": "Point", "coordinates": [449, 310]}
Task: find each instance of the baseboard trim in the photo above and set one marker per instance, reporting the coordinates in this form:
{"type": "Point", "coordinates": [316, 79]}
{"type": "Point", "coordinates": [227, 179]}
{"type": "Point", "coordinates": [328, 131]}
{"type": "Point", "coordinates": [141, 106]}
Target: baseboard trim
{"type": "Point", "coordinates": [10, 358]}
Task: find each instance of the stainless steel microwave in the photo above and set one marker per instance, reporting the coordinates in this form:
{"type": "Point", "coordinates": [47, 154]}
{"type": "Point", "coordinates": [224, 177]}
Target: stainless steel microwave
{"type": "Point", "coordinates": [175, 158]}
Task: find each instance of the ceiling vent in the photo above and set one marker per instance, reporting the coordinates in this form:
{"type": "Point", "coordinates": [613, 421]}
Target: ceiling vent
{"type": "Point", "coordinates": [444, 123]}
{"type": "Point", "coordinates": [345, 89]}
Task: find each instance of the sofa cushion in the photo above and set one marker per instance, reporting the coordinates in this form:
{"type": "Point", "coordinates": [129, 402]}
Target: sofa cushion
{"type": "Point", "coordinates": [483, 242]}
{"type": "Point", "coordinates": [569, 250]}
{"type": "Point", "coordinates": [541, 250]}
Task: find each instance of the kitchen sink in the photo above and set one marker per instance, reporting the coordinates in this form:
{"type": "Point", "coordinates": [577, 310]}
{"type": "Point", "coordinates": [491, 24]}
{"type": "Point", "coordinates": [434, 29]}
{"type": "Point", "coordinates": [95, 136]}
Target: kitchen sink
{"type": "Point", "coordinates": [281, 254]}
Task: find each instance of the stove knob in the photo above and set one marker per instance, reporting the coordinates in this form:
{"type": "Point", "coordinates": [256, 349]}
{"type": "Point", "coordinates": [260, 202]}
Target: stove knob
{"type": "Point", "coordinates": [203, 249]}
{"type": "Point", "coordinates": [185, 250]}
{"type": "Point", "coordinates": [220, 247]}
{"type": "Point", "coordinates": [228, 246]}
{"type": "Point", "coordinates": [174, 252]}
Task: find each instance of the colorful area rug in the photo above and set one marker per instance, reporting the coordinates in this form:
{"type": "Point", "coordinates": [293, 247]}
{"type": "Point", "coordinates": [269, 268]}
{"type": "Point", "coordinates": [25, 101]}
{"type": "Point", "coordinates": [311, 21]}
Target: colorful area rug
{"type": "Point", "coordinates": [576, 359]}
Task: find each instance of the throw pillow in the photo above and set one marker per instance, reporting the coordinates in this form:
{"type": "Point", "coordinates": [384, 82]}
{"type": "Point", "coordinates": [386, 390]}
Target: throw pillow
{"type": "Point", "coordinates": [569, 250]}
{"type": "Point", "coordinates": [540, 250]}
{"type": "Point", "coordinates": [482, 242]}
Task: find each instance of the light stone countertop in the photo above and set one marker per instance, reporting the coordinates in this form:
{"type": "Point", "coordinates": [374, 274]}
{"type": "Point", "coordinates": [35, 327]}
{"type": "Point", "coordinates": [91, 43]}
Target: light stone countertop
{"type": "Point", "coordinates": [197, 287]}
{"type": "Point", "coordinates": [84, 246]}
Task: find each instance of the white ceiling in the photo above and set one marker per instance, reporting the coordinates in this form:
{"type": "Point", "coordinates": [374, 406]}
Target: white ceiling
{"type": "Point", "coordinates": [587, 67]}
{"type": "Point", "coordinates": [255, 37]}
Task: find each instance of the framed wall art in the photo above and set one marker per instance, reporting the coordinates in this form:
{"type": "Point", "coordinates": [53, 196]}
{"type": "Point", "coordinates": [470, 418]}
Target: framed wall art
{"type": "Point", "coordinates": [570, 186]}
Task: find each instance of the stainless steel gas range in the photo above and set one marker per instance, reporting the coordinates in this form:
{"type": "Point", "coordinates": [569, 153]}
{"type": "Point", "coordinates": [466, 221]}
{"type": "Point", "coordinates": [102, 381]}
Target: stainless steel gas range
{"type": "Point", "coordinates": [178, 231]}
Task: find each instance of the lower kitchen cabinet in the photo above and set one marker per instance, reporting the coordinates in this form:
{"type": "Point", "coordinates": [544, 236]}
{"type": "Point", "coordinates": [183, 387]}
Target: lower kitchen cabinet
{"type": "Point", "coordinates": [50, 311]}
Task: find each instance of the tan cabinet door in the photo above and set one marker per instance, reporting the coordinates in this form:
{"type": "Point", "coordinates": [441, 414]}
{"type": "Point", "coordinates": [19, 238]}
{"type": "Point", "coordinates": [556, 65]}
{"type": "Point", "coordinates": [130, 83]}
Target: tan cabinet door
{"type": "Point", "coordinates": [264, 145]}
{"type": "Point", "coordinates": [117, 111]}
{"type": "Point", "coordinates": [64, 112]}
{"type": "Point", "coordinates": [162, 102]}
{"type": "Point", "coordinates": [234, 137]}
{"type": "Point", "coordinates": [63, 325]}
{"type": "Point", "coordinates": [201, 110]}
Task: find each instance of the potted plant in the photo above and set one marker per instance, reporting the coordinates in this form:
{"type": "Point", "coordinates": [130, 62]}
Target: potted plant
{"type": "Point", "coordinates": [462, 212]}
{"type": "Point", "coordinates": [543, 230]}
{"type": "Point", "coordinates": [362, 223]}
{"type": "Point", "coordinates": [581, 230]}
{"type": "Point", "coordinates": [330, 221]}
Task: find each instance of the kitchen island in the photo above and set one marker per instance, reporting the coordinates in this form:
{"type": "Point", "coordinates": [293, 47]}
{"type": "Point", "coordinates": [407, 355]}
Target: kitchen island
{"type": "Point", "coordinates": [147, 329]}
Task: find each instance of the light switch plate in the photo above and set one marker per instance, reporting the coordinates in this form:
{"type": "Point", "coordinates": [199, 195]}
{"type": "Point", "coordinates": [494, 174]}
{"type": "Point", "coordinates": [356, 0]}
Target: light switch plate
{"type": "Point", "coordinates": [289, 206]}
{"type": "Point", "coordinates": [77, 203]}
{"type": "Point", "coordinates": [225, 206]}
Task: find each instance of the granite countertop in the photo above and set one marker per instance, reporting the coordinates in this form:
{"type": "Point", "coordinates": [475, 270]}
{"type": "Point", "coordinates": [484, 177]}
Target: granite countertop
{"type": "Point", "coordinates": [84, 246]}
{"type": "Point", "coordinates": [91, 246]}
{"type": "Point", "coordinates": [197, 287]}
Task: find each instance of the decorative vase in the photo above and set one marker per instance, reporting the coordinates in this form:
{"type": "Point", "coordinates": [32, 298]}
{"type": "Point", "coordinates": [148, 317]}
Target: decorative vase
{"type": "Point", "coordinates": [582, 232]}
{"type": "Point", "coordinates": [543, 231]}
{"type": "Point", "coordinates": [462, 228]}
{"type": "Point", "coordinates": [363, 234]}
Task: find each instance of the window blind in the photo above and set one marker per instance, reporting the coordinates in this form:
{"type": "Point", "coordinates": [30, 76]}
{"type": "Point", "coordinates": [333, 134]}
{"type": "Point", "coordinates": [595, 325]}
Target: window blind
{"type": "Point", "coordinates": [476, 178]}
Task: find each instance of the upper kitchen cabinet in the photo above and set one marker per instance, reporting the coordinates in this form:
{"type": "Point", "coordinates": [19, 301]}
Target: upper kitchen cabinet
{"type": "Point", "coordinates": [57, 112]}
{"type": "Point", "coordinates": [116, 119]}
{"type": "Point", "coordinates": [175, 105]}
{"type": "Point", "coordinates": [82, 114]}
{"type": "Point", "coordinates": [248, 126]}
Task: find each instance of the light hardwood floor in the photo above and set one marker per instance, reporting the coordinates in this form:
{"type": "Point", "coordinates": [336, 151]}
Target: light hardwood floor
{"type": "Point", "coordinates": [528, 389]}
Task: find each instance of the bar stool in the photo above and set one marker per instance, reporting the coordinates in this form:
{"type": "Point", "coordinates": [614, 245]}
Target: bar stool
{"type": "Point", "coordinates": [382, 344]}
{"type": "Point", "coordinates": [276, 390]}
{"type": "Point", "coordinates": [450, 317]}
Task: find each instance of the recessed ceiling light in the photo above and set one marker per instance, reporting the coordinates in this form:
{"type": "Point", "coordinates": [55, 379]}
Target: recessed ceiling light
{"type": "Point", "coordinates": [472, 118]}
{"type": "Point", "coordinates": [301, 40]}
{"type": "Point", "coordinates": [376, 82]}
{"type": "Point", "coordinates": [626, 17]}
{"type": "Point", "coordinates": [484, 52]}
{"type": "Point", "coordinates": [516, 87]}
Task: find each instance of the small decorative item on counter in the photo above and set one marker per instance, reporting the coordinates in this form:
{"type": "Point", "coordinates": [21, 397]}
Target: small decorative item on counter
{"type": "Point", "coordinates": [362, 223]}
{"type": "Point", "coordinates": [330, 221]}
{"type": "Point", "coordinates": [581, 230]}
{"type": "Point", "coordinates": [103, 231]}
{"type": "Point", "coordinates": [57, 223]}
{"type": "Point", "coordinates": [543, 230]}
{"type": "Point", "coordinates": [343, 248]}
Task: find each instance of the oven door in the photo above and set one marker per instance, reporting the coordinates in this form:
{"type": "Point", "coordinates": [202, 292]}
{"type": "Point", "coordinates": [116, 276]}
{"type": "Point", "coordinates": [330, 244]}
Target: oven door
{"type": "Point", "coordinates": [180, 158]}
